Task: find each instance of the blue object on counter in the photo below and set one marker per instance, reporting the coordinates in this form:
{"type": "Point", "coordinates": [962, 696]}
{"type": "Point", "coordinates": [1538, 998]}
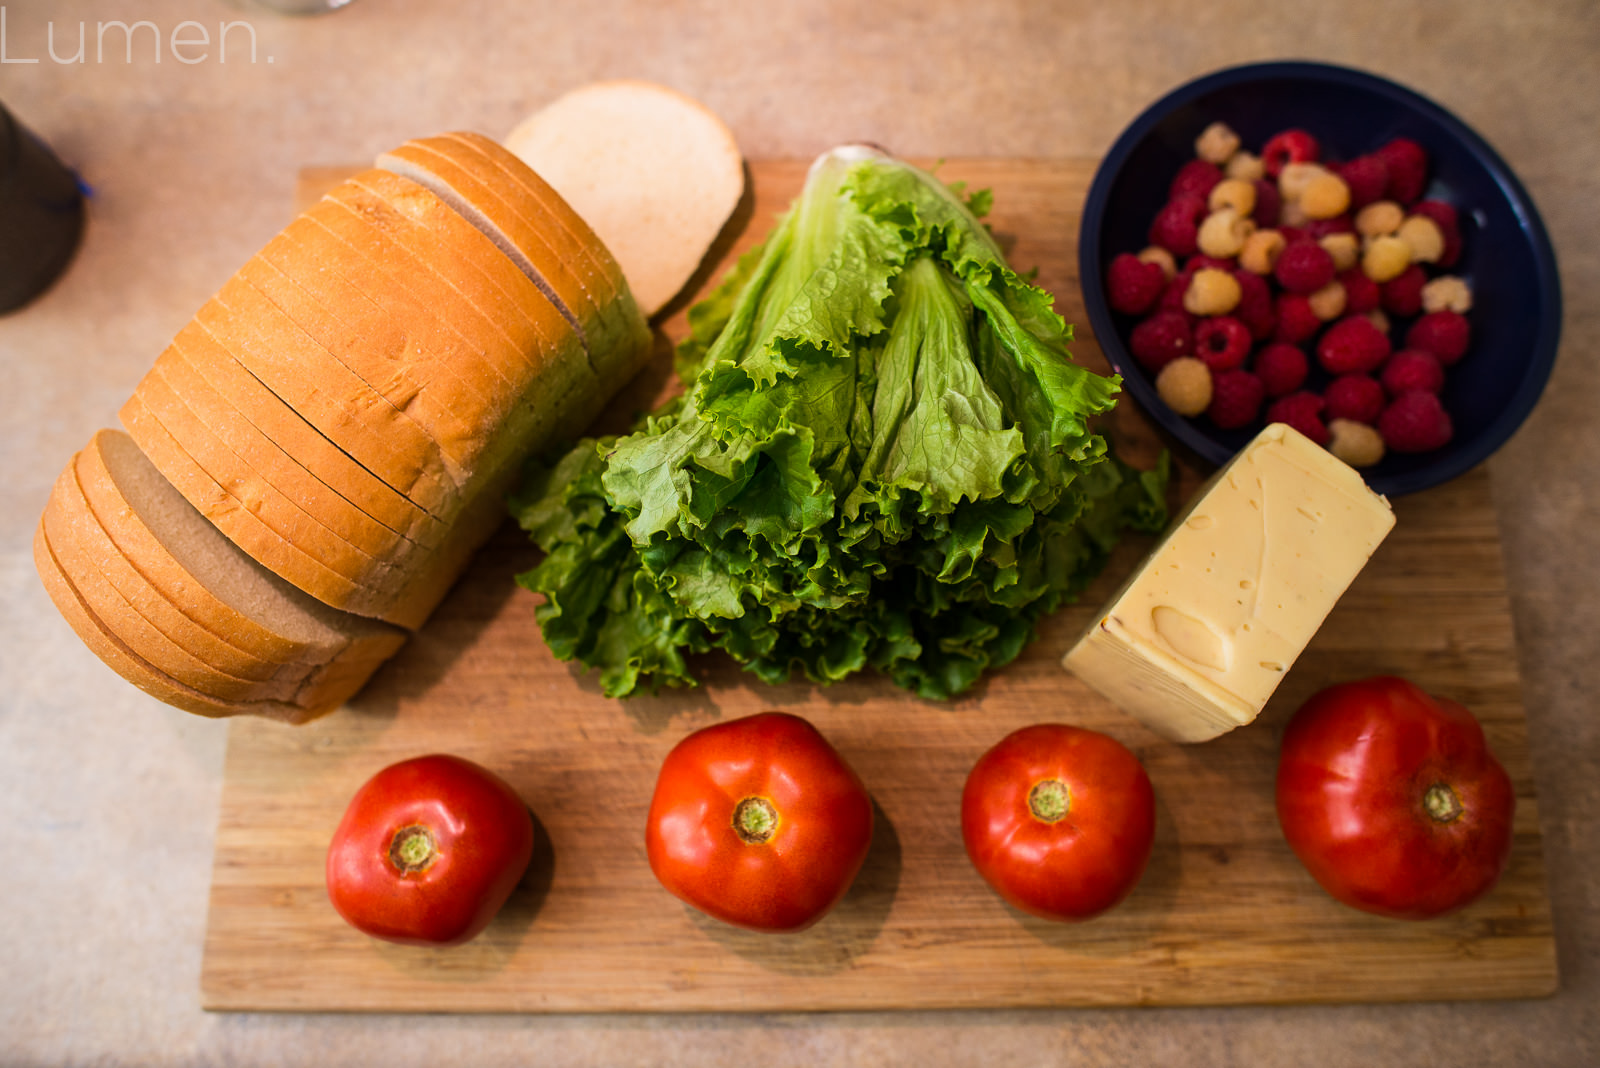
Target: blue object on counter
{"type": "Point", "coordinates": [41, 215]}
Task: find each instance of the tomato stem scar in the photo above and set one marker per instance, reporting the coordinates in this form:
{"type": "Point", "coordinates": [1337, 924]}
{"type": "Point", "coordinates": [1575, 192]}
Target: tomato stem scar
{"type": "Point", "coordinates": [412, 849]}
{"type": "Point", "coordinates": [1049, 800]}
{"type": "Point", "coordinates": [754, 820]}
{"type": "Point", "coordinates": [1441, 802]}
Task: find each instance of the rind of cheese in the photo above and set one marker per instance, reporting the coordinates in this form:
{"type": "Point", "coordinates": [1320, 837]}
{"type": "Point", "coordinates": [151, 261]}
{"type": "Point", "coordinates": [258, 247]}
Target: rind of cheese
{"type": "Point", "coordinates": [1198, 638]}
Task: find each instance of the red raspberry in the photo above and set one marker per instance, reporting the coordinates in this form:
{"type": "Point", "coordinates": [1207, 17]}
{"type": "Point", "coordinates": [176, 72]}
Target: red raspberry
{"type": "Point", "coordinates": [1200, 260]}
{"type": "Point", "coordinates": [1282, 368]}
{"type": "Point", "coordinates": [1415, 422]}
{"type": "Point", "coordinates": [1352, 345]}
{"type": "Point", "coordinates": [1317, 229]}
{"type": "Point", "coordinates": [1355, 396]}
{"type": "Point", "coordinates": [1222, 342]}
{"type": "Point", "coordinates": [1304, 267]}
{"type": "Point", "coordinates": [1296, 321]}
{"type": "Point", "coordinates": [1411, 369]}
{"type": "Point", "coordinates": [1408, 169]}
{"type": "Point", "coordinates": [1269, 202]}
{"type": "Point", "coordinates": [1302, 411]}
{"type": "Point", "coordinates": [1402, 294]}
{"type": "Point", "coordinates": [1449, 225]}
{"type": "Point", "coordinates": [1160, 339]}
{"type": "Point", "coordinates": [1361, 293]}
{"type": "Point", "coordinates": [1444, 333]}
{"type": "Point", "coordinates": [1235, 399]}
{"type": "Point", "coordinates": [1368, 179]}
{"type": "Point", "coordinates": [1195, 178]}
{"type": "Point", "coordinates": [1132, 285]}
{"type": "Point", "coordinates": [1177, 225]}
{"type": "Point", "coordinates": [1255, 305]}
{"type": "Point", "coordinates": [1291, 146]}
{"type": "Point", "coordinates": [1172, 295]}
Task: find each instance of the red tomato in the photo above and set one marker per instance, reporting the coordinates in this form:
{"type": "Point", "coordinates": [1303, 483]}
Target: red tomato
{"type": "Point", "coordinates": [1059, 820]}
{"type": "Point", "coordinates": [758, 822]}
{"type": "Point", "coordinates": [1392, 799]}
{"type": "Point", "coordinates": [428, 851]}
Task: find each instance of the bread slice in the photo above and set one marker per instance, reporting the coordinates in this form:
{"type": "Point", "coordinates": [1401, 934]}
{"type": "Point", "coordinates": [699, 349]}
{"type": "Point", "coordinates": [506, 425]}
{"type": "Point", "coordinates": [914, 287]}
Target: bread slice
{"type": "Point", "coordinates": [620, 340]}
{"type": "Point", "coordinates": [206, 575]}
{"type": "Point", "coordinates": [475, 526]}
{"type": "Point", "coordinates": [278, 468]}
{"type": "Point", "coordinates": [134, 668]}
{"type": "Point", "coordinates": [430, 392]}
{"type": "Point", "coordinates": [439, 240]}
{"type": "Point", "coordinates": [282, 425]}
{"type": "Point", "coordinates": [624, 339]}
{"type": "Point", "coordinates": [324, 691]}
{"type": "Point", "coordinates": [235, 519]}
{"type": "Point", "coordinates": [194, 567]}
{"type": "Point", "coordinates": [395, 326]}
{"type": "Point", "coordinates": [553, 368]}
{"type": "Point", "coordinates": [488, 200]}
{"type": "Point", "coordinates": [217, 648]}
{"type": "Point", "coordinates": [654, 173]}
{"type": "Point", "coordinates": [283, 518]}
{"type": "Point", "coordinates": [268, 344]}
{"type": "Point", "coordinates": [576, 239]}
{"type": "Point", "coordinates": [580, 279]}
{"type": "Point", "coordinates": [136, 533]}
{"type": "Point", "coordinates": [149, 624]}
{"type": "Point", "coordinates": [573, 239]}
{"type": "Point", "coordinates": [407, 331]}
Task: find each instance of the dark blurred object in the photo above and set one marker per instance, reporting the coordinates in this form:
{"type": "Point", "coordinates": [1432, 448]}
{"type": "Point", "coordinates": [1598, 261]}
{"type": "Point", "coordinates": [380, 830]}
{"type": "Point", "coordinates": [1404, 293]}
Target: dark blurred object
{"type": "Point", "coordinates": [41, 215]}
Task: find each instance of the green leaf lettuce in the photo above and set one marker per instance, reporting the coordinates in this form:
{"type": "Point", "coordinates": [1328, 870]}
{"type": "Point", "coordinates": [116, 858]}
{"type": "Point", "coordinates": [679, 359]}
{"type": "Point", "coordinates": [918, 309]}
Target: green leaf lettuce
{"type": "Point", "coordinates": [882, 457]}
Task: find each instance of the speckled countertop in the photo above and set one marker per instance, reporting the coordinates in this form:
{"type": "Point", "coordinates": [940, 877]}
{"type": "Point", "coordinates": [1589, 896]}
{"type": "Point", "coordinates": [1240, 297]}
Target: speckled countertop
{"type": "Point", "coordinates": [110, 799]}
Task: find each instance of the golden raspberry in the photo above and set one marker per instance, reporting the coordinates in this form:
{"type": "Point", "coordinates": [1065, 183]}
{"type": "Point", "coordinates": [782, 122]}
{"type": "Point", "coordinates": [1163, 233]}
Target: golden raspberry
{"type": "Point", "coordinates": [1260, 251]}
{"type": "Point", "coordinates": [1295, 177]}
{"type": "Point", "coordinates": [1325, 196]}
{"type": "Point", "coordinates": [1328, 302]}
{"type": "Point", "coordinates": [1379, 218]}
{"type": "Point", "coordinates": [1235, 193]}
{"type": "Point", "coordinates": [1184, 385]}
{"type": "Point", "coordinates": [1385, 257]}
{"type": "Point", "coordinates": [1447, 293]}
{"type": "Point", "coordinates": [1223, 233]}
{"type": "Point", "coordinates": [1245, 165]}
{"type": "Point", "coordinates": [1424, 237]}
{"type": "Point", "coordinates": [1380, 319]}
{"type": "Point", "coordinates": [1217, 143]}
{"type": "Point", "coordinates": [1211, 292]}
{"type": "Point", "coordinates": [1357, 444]}
{"type": "Point", "coordinates": [1161, 257]}
{"type": "Point", "coordinates": [1291, 214]}
{"type": "Point", "coordinates": [1344, 248]}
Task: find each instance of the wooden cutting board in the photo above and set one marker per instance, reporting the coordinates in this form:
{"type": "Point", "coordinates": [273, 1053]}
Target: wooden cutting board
{"type": "Point", "coordinates": [1223, 915]}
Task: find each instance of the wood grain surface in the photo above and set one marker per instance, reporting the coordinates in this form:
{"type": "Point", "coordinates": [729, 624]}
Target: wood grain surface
{"type": "Point", "coordinates": [1224, 914]}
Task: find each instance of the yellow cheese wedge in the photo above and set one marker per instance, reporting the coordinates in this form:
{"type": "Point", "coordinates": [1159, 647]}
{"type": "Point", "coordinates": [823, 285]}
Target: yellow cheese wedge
{"type": "Point", "coordinates": [1200, 636]}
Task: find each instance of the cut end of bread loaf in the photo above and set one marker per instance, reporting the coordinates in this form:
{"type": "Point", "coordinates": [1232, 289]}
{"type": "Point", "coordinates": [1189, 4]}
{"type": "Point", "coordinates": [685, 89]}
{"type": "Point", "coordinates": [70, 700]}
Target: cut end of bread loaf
{"type": "Point", "coordinates": [654, 172]}
{"type": "Point", "coordinates": [200, 552]}
{"type": "Point", "coordinates": [168, 602]}
{"type": "Point", "coordinates": [104, 641]}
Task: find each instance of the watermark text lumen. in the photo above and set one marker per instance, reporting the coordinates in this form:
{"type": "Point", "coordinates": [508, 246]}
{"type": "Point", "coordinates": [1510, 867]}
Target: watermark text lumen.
{"type": "Point", "coordinates": [188, 42]}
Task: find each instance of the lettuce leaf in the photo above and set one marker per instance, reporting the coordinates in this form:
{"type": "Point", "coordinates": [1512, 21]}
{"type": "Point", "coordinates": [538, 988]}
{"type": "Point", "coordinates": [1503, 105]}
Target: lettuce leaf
{"type": "Point", "coordinates": [882, 458]}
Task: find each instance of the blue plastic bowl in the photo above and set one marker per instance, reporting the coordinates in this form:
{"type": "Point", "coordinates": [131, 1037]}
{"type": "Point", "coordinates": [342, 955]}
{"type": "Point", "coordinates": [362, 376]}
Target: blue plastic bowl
{"type": "Point", "coordinates": [1506, 254]}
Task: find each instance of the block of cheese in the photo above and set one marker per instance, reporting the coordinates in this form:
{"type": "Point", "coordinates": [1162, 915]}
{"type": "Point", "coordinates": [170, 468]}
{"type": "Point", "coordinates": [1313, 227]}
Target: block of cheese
{"type": "Point", "coordinates": [1198, 638]}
